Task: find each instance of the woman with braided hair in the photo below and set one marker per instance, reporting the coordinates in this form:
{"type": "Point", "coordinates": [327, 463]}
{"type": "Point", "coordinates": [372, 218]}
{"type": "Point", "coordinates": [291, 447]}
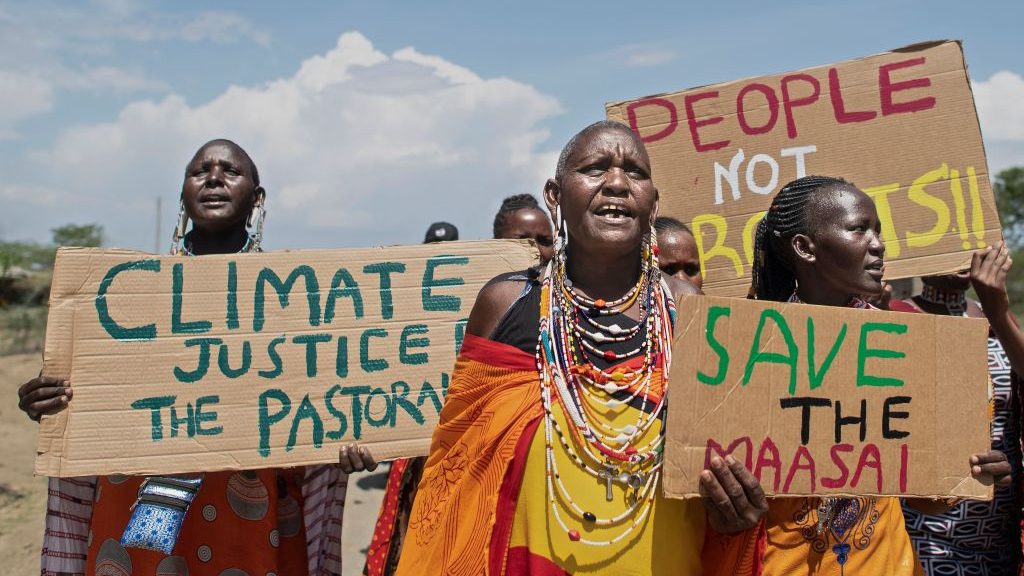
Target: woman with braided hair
{"type": "Point", "coordinates": [521, 217]}
{"type": "Point", "coordinates": [820, 243]}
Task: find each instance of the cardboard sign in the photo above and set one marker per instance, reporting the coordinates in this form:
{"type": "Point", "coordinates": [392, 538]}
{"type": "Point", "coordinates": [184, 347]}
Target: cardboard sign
{"type": "Point", "coordinates": [825, 400]}
{"type": "Point", "coordinates": [255, 360]}
{"type": "Point", "coordinates": [900, 125]}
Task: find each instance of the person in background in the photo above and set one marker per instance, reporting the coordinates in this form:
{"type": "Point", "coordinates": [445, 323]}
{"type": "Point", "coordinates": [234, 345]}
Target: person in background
{"type": "Point", "coordinates": [521, 217]}
{"type": "Point", "coordinates": [820, 243]}
{"type": "Point", "coordinates": [974, 537]}
{"type": "Point", "coordinates": [678, 256]}
{"type": "Point", "coordinates": [271, 521]}
{"type": "Point", "coordinates": [441, 232]}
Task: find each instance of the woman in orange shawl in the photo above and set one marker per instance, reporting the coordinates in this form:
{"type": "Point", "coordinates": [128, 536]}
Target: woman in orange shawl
{"type": "Point", "coordinates": [820, 243]}
{"type": "Point", "coordinates": [547, 456]}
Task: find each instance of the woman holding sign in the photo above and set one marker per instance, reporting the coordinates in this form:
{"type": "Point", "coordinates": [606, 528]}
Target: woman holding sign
{"type": "Point", "coordinates": [820, 243]}
{"type": "Point", "coordinates": [547, 457]}
{"type": "Point", "coordinates": [282, 521]}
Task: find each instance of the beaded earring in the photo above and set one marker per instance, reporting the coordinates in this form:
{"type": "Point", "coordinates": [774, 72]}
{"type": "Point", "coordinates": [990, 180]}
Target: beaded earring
{"type": "Point", "coordinates": [256, 218]}
{"type": "Point", "coordinates": [178, 235]}
{"type": "Point", "coordinates": [561, 236]}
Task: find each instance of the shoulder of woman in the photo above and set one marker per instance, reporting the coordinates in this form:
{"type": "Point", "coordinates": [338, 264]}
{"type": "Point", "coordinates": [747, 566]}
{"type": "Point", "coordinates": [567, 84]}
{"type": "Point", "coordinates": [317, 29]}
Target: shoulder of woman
{"type": "Point", "coordinates": [493, 300]}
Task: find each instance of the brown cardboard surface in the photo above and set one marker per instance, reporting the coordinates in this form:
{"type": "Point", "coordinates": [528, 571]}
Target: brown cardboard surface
{"type": "Point", "coordinates": [363, 352]}
{"type": "Point", "coordinates": [939, 418]}
{"type": "Point", "coordinates": [900, 125]}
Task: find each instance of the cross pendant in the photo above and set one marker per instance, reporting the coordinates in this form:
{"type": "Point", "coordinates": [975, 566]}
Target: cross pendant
{"type": "Point", "coordinates": [609, 475]}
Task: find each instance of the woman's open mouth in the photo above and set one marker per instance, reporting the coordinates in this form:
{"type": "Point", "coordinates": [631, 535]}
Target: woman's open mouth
{"type": "Point", "coordinates": [614, 213]}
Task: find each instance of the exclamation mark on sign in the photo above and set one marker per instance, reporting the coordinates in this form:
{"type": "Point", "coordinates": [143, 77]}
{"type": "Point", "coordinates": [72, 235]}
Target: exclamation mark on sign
{"type": "Point", "coordinates": [961, 209]}
{"type": "Point", "coordinates": [977, 216]}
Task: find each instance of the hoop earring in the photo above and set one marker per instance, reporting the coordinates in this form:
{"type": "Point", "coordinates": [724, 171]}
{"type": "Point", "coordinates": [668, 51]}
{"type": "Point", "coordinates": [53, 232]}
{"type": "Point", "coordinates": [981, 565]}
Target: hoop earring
{"type": "Point", "coordinates": [178, 236]}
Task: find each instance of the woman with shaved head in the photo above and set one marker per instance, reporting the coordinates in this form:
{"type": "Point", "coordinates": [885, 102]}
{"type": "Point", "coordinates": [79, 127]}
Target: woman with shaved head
{"type": "Point", "coordinates": [547, 458]}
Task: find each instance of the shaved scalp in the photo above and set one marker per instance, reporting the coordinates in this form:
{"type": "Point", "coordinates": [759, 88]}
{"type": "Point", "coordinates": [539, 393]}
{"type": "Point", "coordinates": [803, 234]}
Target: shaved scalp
{"type": "Point", "coordinates": [602, 125]}
{"type": "Point", "coordinates": [253, 172]}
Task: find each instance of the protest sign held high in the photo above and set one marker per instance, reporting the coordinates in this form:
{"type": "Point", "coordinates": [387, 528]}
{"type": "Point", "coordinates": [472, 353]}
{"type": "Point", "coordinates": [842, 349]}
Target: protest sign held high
{"type": "Point", "coordinates": [901, 125]}
{"type": "Point", "coordinates": [825, 400]}
{"type": "Point", "coordinates": [255, 360]}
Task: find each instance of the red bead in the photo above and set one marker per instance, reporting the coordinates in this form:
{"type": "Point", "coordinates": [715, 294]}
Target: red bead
{"type": "Point", "coordinates": [655, 250]}
{"type": "Point", "coordinates": [574, 535]}
{"type": "Point", "coordinates": [630, 451]}
{"type": "Point", "coordinates": [599, 303]}
{"type": "Point", "coordinates": [609, 355]}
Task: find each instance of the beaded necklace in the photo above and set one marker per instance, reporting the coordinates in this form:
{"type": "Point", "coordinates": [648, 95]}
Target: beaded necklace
{"type": "Point", "coordinates": [590, 397]}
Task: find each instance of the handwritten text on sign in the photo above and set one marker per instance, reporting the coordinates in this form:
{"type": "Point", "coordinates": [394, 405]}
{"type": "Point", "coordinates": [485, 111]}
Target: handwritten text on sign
{"type": "Point", "coordinates": [900, 125]}
{"type": "Point", "coordinates": [256, 360]}
{"type": "Point", "coordinates": [824, 400]}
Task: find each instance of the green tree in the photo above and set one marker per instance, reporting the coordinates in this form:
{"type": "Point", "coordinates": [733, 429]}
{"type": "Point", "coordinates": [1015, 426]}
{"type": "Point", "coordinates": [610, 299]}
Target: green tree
{"type": "Point", "coordinates": [87, 235]}
{"type": "Point", "coordinates": [1009, 191]}
{"type": "Point", "coordinates": [1008, 187]}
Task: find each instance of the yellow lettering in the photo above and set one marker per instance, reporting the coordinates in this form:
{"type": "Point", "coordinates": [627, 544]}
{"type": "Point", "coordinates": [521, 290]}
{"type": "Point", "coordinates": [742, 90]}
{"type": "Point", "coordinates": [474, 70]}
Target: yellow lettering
{"type": "Point", "coordinates": [918, 195]}
{"type": "Point", "coordinates": [748, 236]}
{"type": "Point", "coordinates": [719, 248]}
{"type": "Point", "coordinates": [880, 194]}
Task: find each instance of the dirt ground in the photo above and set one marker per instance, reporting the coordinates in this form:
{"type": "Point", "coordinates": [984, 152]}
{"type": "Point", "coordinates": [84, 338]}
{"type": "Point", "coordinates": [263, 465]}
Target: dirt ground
{"type": "Point", "coordinates": [23, 497]}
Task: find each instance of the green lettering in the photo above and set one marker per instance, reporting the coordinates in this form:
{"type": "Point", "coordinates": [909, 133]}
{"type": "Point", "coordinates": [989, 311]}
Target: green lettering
{"type": "Point", "coordinates": [406, 342]}
{"type": "Point", "coordinates": [863, 353]}
{"type": "Point", "coordinates": [306, 411]}
{"type": "Point", "coordinates": [283, 289]}
{"type": "Point", "coordinates": [116, 331]}
{"type": "Point", "coordinates": [351, 290]}
{"type": "Point", "coordinates": [177, 287]}
{"type": "Point", "coordinates": [757, 355]}
{"type": "Point", "coordinates": [154, 405]}
{"type": "Point", "coordinates": [441, 302]}
{"type": "Point", "coordinates": [266, 419]}
{"type": "Point", "coordinates": [714, 313]}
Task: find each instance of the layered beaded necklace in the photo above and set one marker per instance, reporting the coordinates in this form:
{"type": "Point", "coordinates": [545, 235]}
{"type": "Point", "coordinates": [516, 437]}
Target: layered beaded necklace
{"type": "Point", "coordinates": [590, 398]}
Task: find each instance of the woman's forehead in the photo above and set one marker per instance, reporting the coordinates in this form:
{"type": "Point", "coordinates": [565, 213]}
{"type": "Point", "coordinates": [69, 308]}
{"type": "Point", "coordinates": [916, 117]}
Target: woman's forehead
{"type": "Point", "coordinates": [608, 140]}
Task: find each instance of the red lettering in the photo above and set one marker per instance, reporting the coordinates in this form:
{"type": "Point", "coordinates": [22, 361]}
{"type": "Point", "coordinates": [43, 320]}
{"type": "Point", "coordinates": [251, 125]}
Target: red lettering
{"type": "Point", "coordinates": [689, 100]}
{"type": "Point", "coordinates": [717, 448]}
{"type": "Point", "coordinates": [775, 463]}
{"type": "Point", "coordinates": [844, 472]}
{"type": "Point", "coordinates": [903, 468]}
{"type": "Point", "coordinates": [773, 107]}
{"type": "Point", "coordinates": [788, 103]}
{"type": "Point", "coordinates": [836, 94]}
{"type": "Point", "coordinates": [802, 460]}
{"type": "Point", "coordinates": [669, 128]}
{"type": "Point", "coordinates": [886, 87]}
{"type": "Point", "coordinates": [869, 450]}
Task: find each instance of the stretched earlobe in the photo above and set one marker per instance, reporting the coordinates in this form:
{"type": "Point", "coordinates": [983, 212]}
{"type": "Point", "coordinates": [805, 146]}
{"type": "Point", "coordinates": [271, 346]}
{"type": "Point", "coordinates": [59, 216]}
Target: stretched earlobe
{"type": "Point", "coordinates": [804, 248]}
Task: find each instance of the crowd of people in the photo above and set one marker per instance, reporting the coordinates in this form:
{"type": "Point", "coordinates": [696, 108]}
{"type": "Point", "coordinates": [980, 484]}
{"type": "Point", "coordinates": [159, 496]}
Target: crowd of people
{"type": "Point", "coordinates": [547, 458]}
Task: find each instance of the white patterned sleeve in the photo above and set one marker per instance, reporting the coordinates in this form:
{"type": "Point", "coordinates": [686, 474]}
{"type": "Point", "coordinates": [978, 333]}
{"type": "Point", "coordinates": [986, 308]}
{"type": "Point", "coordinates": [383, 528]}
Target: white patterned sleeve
{"type": "Point", "coordinates": [323, 492]}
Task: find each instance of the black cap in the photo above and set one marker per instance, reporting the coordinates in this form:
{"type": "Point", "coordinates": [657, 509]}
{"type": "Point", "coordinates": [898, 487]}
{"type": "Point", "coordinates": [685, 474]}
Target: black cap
{"type": "Point", "coordinates": [441, 232]}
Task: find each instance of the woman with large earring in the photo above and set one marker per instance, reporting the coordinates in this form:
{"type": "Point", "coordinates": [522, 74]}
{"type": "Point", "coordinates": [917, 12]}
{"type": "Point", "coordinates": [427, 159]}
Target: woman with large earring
{"type": "Point", "coordinates": [282, 521]}
{"type": "Point", "coordinates": [547, 457]}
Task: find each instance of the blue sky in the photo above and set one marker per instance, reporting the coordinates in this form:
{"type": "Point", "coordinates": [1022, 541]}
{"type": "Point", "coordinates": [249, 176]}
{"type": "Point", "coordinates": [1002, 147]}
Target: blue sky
{"type": "Point", "coordinates": [369, 120]}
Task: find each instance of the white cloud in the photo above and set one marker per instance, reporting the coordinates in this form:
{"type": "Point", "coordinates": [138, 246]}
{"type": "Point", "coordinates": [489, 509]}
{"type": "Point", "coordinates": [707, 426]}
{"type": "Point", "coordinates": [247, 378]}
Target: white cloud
{"type": "Point", "coordinates": [1000, 103]}
{"type": "Point", "coordinates": [22, 96]}
{"type": "Point", "coordinates": [356, 148]}
{"type": "Point", "coordinates": [222, 27]}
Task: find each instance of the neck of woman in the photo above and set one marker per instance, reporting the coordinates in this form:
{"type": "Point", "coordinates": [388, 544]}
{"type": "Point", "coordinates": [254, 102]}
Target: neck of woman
{"type": "Point", "coordinates": [229, 241]}
{"type": "Point", "coordinates": [599, 275]}
{"type": "Point", "coordinates": [808, 293]}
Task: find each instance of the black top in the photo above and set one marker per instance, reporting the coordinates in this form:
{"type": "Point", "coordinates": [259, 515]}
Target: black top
{"type": "Point", "coordinates": [520, 325]}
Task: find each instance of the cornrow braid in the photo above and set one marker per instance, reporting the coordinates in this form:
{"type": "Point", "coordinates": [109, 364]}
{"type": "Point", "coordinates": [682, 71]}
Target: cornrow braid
{"type": "Point", "coordinates": [772, 276]}
{"type": "Point", "coordinates": [511, 205]}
